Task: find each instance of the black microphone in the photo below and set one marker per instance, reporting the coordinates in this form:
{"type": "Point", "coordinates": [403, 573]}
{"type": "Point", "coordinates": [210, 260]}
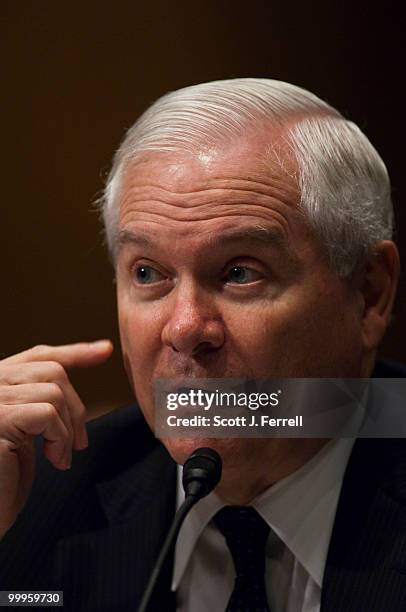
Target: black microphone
{"type": "Point", "coordinates": [201, 473]}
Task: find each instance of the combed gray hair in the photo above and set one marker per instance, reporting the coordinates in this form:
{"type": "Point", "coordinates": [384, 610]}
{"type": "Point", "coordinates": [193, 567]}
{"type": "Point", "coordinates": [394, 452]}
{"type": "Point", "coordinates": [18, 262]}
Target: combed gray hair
{"type": "Point", "coordinates": [343, 182]}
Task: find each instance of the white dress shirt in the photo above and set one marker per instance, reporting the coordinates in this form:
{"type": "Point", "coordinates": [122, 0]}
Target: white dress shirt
{"type": "Point", "coordinates": [300, 511]}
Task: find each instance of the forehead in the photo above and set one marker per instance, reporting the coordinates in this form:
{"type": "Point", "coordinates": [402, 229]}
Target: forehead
{"type": "Point", "coordinates": [204, 193]}
{"type": "Point", "coordinates": [251, 159]}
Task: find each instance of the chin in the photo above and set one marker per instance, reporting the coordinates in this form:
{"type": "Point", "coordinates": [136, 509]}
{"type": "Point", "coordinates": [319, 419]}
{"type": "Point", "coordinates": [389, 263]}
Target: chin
{"type": "Point", "coordinates": [231, 450]}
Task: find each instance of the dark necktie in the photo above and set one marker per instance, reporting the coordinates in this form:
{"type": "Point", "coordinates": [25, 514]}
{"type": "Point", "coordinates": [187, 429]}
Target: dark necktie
{"type": "Point", "coordinates": [246, 534]}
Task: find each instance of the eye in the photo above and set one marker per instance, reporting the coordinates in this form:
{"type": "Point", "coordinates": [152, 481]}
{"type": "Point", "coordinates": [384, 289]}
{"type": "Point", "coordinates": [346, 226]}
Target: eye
{"type": "Point", "coordinates": [145, 275]}
{"type": "Point", "coordinates": [243, 275]}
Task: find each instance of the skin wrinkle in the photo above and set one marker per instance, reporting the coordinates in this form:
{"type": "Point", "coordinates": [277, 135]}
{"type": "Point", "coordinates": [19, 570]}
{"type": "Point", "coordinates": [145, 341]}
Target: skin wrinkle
{"type": "Point", "coordinates": [222, 183]}
{"type": "Point", "coordinates": [249, 211]}
{"type": "Point", "coordinates": [246, 236]}
{"type": "Point", "coordinates": [184, 201]}
{"type": "Point", "coordinates": [258, 233]}
{"type": "Point", "coordinates": [204, 197]}
{"type": "Point", "coordinates": [274, 188]}
{"type": "Point", "coordinates": [285, 244]}
{"type": "Point", "coordinates": [280, 220]}
{"type": "Point", "coordinates": [278, 162]}
{"type": "Point", "coordinates": [229, 211]}
{"type": "Point", "coordinates": [273, 174]}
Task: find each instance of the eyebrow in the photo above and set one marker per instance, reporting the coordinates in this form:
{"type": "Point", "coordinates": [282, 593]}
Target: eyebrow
{"type": "Point", "coordinates": [265, 235]}
{"type": "Point", "coordinates": [126, 237]}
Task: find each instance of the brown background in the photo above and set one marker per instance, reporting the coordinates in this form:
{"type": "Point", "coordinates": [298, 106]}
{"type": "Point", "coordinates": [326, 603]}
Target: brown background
{"type": "Point", "coordinates": [76, 75]}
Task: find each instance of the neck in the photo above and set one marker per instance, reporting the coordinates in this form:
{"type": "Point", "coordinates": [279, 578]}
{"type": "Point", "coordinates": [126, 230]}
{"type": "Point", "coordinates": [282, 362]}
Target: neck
{"type": "Point", "coordinates": [244, 478]}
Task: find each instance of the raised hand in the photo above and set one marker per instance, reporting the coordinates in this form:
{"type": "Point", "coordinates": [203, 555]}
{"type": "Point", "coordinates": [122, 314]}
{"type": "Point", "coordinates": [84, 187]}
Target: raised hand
{"type": "Point", "coordinates": [37, 398]}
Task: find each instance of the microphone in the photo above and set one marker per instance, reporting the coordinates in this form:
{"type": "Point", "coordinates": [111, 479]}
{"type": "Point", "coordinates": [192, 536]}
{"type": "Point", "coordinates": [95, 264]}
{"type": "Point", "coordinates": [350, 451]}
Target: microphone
{"type": "Point", "coordinates": [201, 473]}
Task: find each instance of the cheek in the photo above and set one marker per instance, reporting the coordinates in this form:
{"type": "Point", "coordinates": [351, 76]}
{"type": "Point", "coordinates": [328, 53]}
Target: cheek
{"type": "Point", "coordinates": [305, 333]}
{"type": "Point", "coordinates": [140, 333]}
{"type": "Point", "coordinates": [140, 330]}
{"type": "Point", "coordinates": [140, 342]}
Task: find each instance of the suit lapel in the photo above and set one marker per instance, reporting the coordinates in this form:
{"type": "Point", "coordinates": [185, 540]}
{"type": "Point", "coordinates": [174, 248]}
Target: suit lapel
{"type": "Point", "coordinates": [108, 569]}
{"type": "Point", "coordinates": [366, 563]}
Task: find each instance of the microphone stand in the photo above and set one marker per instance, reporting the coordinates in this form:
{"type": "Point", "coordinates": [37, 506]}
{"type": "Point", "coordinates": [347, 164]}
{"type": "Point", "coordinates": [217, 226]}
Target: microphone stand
{"type": "Point", "coordinates": [169, 541]}
{"type": "Point", "coordinates": [201, 473]}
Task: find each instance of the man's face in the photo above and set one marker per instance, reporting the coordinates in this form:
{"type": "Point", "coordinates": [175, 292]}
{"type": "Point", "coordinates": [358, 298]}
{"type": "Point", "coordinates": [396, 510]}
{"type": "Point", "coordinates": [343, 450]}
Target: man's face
{"type": "Point", "coordinates": [219, 275]}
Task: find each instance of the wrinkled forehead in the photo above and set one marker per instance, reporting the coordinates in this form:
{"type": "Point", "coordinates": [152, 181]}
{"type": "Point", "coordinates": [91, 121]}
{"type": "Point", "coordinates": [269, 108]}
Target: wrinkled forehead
{"type": "Point", "coordinates": [231, 165]}
{"type": "Point", "coordinates": [249, 189]}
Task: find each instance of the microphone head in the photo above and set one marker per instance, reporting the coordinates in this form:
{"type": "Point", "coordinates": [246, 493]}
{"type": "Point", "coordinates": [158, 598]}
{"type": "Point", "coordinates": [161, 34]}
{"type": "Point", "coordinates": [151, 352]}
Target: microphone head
{"type": "Point", "coordinates": [201, 472]}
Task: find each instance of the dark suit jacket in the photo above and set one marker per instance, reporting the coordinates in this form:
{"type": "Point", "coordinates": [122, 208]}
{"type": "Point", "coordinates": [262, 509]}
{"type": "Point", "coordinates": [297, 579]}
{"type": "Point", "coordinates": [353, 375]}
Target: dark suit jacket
{"type": "Point", "coordinates": [95, 531]}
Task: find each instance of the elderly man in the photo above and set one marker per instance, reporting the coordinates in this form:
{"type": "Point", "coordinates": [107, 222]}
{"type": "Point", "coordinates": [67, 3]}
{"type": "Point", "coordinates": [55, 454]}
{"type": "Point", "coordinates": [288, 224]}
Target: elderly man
{"type": "Point", "coordinates": [250, 227]}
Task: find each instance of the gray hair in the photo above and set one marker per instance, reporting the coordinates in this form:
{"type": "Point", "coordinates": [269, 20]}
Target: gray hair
{"type": "Point", "coordinates": [343, 182]}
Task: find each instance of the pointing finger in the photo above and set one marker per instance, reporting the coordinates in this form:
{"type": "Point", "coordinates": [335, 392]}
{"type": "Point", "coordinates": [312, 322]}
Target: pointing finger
{"type": "Point", "coordinates": [78, 355]}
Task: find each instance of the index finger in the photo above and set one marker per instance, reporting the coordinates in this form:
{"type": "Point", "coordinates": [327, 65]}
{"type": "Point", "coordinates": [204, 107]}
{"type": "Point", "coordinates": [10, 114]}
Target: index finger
{"type": "Point", "coordinates": [77, 355]}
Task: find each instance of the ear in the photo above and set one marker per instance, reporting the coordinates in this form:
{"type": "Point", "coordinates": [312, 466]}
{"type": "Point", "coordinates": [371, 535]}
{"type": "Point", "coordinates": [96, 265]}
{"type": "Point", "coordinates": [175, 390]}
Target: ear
{"type": "Point", "coordinates": [378, 284]}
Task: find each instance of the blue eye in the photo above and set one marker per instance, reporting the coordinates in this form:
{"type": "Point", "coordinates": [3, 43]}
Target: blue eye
{"type": "Point", "coordinates": [242, 275]}
{"type": "Point", "coordinates": [146, 275]}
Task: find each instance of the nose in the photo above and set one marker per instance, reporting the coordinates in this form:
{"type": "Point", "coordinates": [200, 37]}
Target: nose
{"type": "Point", "coordinates": [194, 326]}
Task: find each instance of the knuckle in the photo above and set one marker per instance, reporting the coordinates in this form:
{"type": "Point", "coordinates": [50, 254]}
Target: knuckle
{"type": "Point", "coordinates": [49, 411]}
{"type": "Point", "coordinates": [39, 349]}
{"type": "Point", "coordinates": [56, 369]}
{"type": "Point", "coordinates": [53, 416]}
{"type": "Point", "coordinates": [82, 413]}
{"type": "Point", "coordinates": [66, 433]}
{"type": "Point", "coordinates": [56, 393]}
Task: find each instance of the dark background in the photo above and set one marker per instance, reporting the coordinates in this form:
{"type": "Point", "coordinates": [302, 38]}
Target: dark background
{"type": "Point", "coordinates": [76, 75]}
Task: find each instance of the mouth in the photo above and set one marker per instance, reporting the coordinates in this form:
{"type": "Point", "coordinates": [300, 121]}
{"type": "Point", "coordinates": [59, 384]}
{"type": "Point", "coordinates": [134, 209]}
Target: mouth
{"type": "Point", "coordinates": [182, 385]}
{"type": "Point", "coordinates": [188, 390]}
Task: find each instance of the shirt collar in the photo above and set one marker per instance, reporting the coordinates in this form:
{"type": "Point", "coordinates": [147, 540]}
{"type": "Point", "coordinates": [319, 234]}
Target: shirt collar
{"type": "Point", "coordinates": [299, 508]}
